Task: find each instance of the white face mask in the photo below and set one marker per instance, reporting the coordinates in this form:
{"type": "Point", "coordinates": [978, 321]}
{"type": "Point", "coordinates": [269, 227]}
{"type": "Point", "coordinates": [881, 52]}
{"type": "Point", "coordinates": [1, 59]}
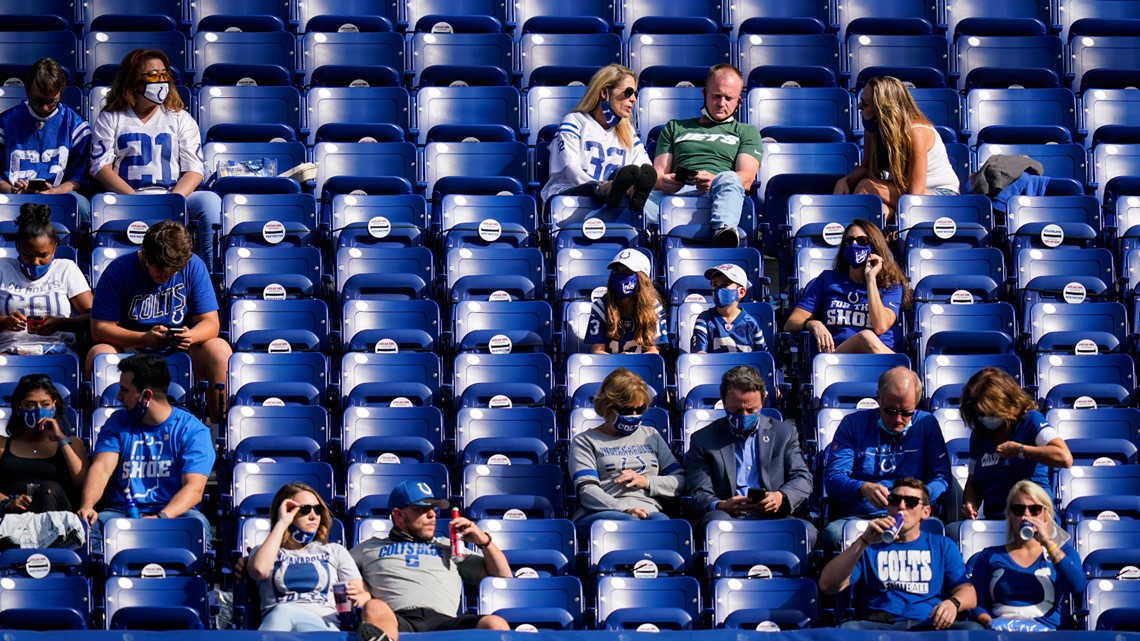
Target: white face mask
{"type": "Point", "coordinates": [991, 422]}
{"type": "Point", "coordinates": [156, 92]}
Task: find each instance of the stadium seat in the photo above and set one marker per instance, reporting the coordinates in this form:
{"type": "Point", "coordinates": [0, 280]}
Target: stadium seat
{"type": "Point", "coordinates": [658, 105]}
{"type": "Point", "coordinates": [585, 418]}
{"type": "Point", "coordinates": [383, 273]}
{"type": "Point", "coordinates": [543, 602]}
{"type": "Point", "coordinates": [397, 380]}
{"type": "Point", "coordinates": [971, 214]}
{"type": "Point", "coordinates": [1063, 379]}
{"type": "Point", "coordinates": [411, 325]}
{"type": "Point", "coordinates": [528, 9]}
{"type": "Point", "coordinates": [786, 603]}
{"type": "Point", "coordinates": [130, 546]}
{"type": "Point", "coordinates": [286, 433]}
{"type": "Point", "coordinates": [658, 43]}
{"type": "Point", "coordinates": [25, 47]}
{"type": "Point", "coordinates": [64, 214]}
{"type": "Point", "coordinates": [585, 373]}
{"type": "Point", "coordinates": [461, 165]}
{"type": "Point", "coordinates": [1047, 274]}
{"type": "Point", "coordinates": [486, 273]}
{"type": "Point", "coordinates": [992, 60]}
{"type": "Point", "coordinates": [1061, 160]}
{"type": "Point", "coordinates": [913, 54]}
{"type": "Point", "coordinates": [1065, 329]}
{"type": "Point", "coordinates": [977, 14]}
{"type": "Point", "coordinates": [813, 219]}
{"type": "Point", "coordinates": [103, 50]}
{"type": "Point", "coordinates": [581, 273]}
{"type": "Point", "coordinates": [686, 221]}
{"type": "Point", "coordinates": [491, 491]}
{"type": "Point", "coordinates": [62, 368]}
{"type": "Point", "coordinates": [637, 9]}
{"type": "Point", "coordinates": [348, 162]}
{"type": "Point", "coordinates": [169, 603]}
{"type": "Point", "coordinates": [798, 168]}
{"type": "Point", "coordinates": [1111, 604]}
{"type": "Point", "coordinates": [350, 49]}
{"type": "Point", "coordinates": [331, 108]}
{"type": "Point", "coordinates": [105, 379]}
{"type": "Point", "coordinates": [444, 51]}
{"type": "Point", "coordinates": [480, 220]}
{"type": "Point", "coordinates": [298, 378]}
{"type": "Point", "coordinates": [780, 112]}
{"type": "Point", "coordinates": [45, 604]}
{"type": "Point", "coordinates": [1113, 163]}
{"type": "Point", "coordinates": [254, 484]}
{"type": "Point", "coordinates": [412, 434]}
{"type": "Point", "coordinates": [549, 50]}
{"type": "Point", "coordinates": [526, 326]}
{"type": "Point", "coordinates": [945, 374]}
{"type": "Point", "coordinates": [121, 221]}
{"type": "Point", "coordinates": [218, 13]}
{"type": "Point", "coordinates": [547, 546]}
{"type": "Point", "coordinates": [671, 603]}
{"type": "Point", "coordinates": [463, 105]}
{"type": "Point", "coordinates": [547, 106]}
{"type": "Point", "coordinates": [502, 380]}
{"type": "Point", "coordinates": [391, 220]}
{"type": "Point", "coordinates": [521, 434]}
{"type": "Point", "coordinates": [685, 269]}
{"type": "Point", "coordinates": [343, 12]}
{"type": "Point", "coordinates": [776, 50]}
{"type": "Point", "coordinates": [272, 273]}
{"type": "Point", "coordinates": [616, 547]}
{"type": "Point", "coordinates": [368, 485]}
{"type": "Point", "coordinates": [1102, 422]}
{"type": "Point", "coordinates": [1012, 112]}
{"type": "Point", "coordinates": [842, 380]}
{"type": "Point", "coordinates": [265, 220]}
{"type": "Point", "coordinates": [937, 275]}
{"type": "Point", "coordinates": [732, 551]}
{"type": "Point", "coordinates": [981, 328]}
{"type": "Point", "coordinates": [1028, 217]}
{"type": "Point", "coordinates": [1096, 480]}
{"type": "Point", "coordinates": [279, 325]}
{"type": "Point", "coordinates": [255, 51]}
{"type": "Point", "coordinates": [417, 9]}
{"type": "Point", "coordinates": [1086, 14]}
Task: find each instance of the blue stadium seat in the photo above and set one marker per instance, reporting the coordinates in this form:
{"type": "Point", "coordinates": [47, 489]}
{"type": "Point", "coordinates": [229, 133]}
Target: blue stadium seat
{"type": "Point", "coordinates": [287, 432]}
{"type": "Point", "coordinates": [992, 111]}
{"type": "Point", "coordinates": [378, 273]}
{"type": "Point", "coordinates": [1096, 480]}
{"type": "Point", "coordinates": [311, 12]}
{"type": "Point", "coordinates": [685, 272]}
{"type": "Point", "coordinates": [350, 49]}
{"type": "Point", "coordinates": [121, 221]}
{"type": "Point", "coordinates": [299, 378]}
{"type": "Point", "coordinates": [1113, 163]}
{"type": "Point", "coordinates": [686, 221]}
{"type": "Point", "coordinates": [225, 106]}
{"type": "Point", "coordinates": [732, 550]}
{"type": "Point", "coordinates": [331, 107]}
{"type": "Point", "coordinates": [127, 15]}
{"type": "Point", "coordinates": [36, 17]}
{"type": "Point", "coordinates": [1062, 379]}
{"type": "Point", "coordinates": [254, 484]}
{"type": "Point", "coordinates": [981, 328]}
{"type": "Point", "coordinates": [48, 603]}
{"type": "Point", "coordinates": [267, 272]}
{"type": "Point", "coordinates": [842, 380]}
{"type": "Point", "coordinates": [543, 602]}
{"type": "Point", "coordinates": [658, 105]}
{"type": "Point", "coordinates": [615, 547]}
{"type": "Point", "coordinates": [486, 220]}
{"type": "Point", "coordinates": [995, 16]}
{"type": "Point", "coordinates": [1102, 422]}
{"type": "Point", "coordinates": [439, 106]}
{"type": "Point", "coordinates": [490, 491]}
{"type": "Point", "coordinates": [479, 273]}
{"type": "Point", "coordinates": [976, 535]}
{"type": "Point", "coordinates": [992, 60]}
{"type": "Point", "coordinates": [464, 53]}
{"type": "Point", "coordinates": [417, 9]}
{"type": "Point", "coordinates": [279, 325]}
{"type": "Point", "coordinates": [390, 379]}
{"type": "Point", "coordinates": [936, 274]}
{"type": "Point", "coordinates": [25, 47]}
{"type": "Point", "coordinates": [669, 42]}
{"type": "Point", "coordinates": [414, 434]}
{"type": "Point", "coordinates": [877, 16]}
{"type": "Point", "coordinates": [482, 327]}
{"type": "Point", "coordinates": [547, 546]}
{"type": "Point", "coordinates": [774, 50]}
{"type": "Point", "coordinates": [671, 603]}
{"type": "Point", "coordinates": [544, 10]}
{"type": "Point", "coordinates": [103, 50]}
{"type": "Point", "coordinates": [812, 220]}
{"type": "Point", "coordinates": [1044, 274]}
{"type": "Point", "coordinates": [916, 56]}
{"type": "Point", "coordinates": [392, 220]}
{"type": "Point", "coordinates": [1027, 218]}
{"type": "Point", "coordinates": [543, 54]}
{"type": "Point", "coordinates": [252, 219]}
{"type": "Point", "coordinates": [546, 106]}
{"type": "Point", "coordinates": [789, 603]}
{"type": "Point", "coordinates": [64, 215]}
{"type": "Point", "coordinates": [62, 368]}
{"type": "Point", "coordinates": [1063, 329]}
{"type": "Point", "coordinates": [575, 317]}
{"type": "Point", "coordinates": [105, 379]}
{"type": "Point", "coordinates": [1101, 54]}
{"type": "Point", "coordinates": [1111, 604]}
{"type": "Point", "coordinates": [942, 105]}
{"type": "Point", "coordinates": [790, 167]}
{"type": "Point", "coordinates": [685, 316]}
{"type": "Point", "coordinates": [169, 603]}
{"type": "Point", "coordinates": [1108, 112]}
{"type": "Point", "coordinates": [268, 49]}
{"type": "Point", "coordinates": [481, 380]}
{"type": "Point", "coordinates": [221, 15]}
{"type": "Point", "coordinates": [459, 167]}
{"type": "Point", "coordinates": [1080, 15]}
{"type": "Point", "coordinates": [63, 562]}
{"type": "Point", "coordinates": [368, 485]}
{"type": "Point", "coordinates": [178, 546]}
{"type": "Point", "coordinates": [777, 12]}
{"type": "Point", "coordinates": [585, 373]}
{"type": "Point", "coordinates": [808, 264]}
{"type": "Point", "coordinates": [411, 325]}
{"type": "Point", "coordinates": [698, 376]}
{"type": "Point", "coordinates": [286, 153]}
{"type": "Point", "coordinates": [945, 374]}
{"type": "Point", "coordinates": [522, 434]}
{"type": "Point", "coordinates": [1060, 159]}
{"type": "Point", "coordinates": [638, 9]}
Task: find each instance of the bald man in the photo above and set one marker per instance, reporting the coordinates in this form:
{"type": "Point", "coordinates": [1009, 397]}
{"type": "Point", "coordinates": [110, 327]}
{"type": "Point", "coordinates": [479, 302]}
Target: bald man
{"type": "Point", "coordinates": [873, 448]}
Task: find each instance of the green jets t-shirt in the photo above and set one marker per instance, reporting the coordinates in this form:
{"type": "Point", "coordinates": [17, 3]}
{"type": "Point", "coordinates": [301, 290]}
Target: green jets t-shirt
{"type": "Point", "coordinates": [708, 147]}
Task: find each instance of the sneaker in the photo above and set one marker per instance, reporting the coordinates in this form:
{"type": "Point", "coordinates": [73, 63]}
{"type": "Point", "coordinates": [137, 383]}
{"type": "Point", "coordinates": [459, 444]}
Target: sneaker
{"type": "Point", "coordinates": [726, 236]}
{"type": "Point", "coordinates": [368, 632]}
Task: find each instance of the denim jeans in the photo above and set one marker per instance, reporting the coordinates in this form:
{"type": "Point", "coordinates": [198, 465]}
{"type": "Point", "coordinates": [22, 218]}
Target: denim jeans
{"type": "Point", "coordinates": [727, 200]}
{"type": "Point", "coordinates": [290, 617]}
{"type": "Point", "coordinates": [915, 625]}
{"type": "Point", "coordinates": [204, 209]}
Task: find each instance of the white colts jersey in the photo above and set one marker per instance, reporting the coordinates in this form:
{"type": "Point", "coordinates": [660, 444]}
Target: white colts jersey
{"type": "Point", "coordinates": [147, 155]}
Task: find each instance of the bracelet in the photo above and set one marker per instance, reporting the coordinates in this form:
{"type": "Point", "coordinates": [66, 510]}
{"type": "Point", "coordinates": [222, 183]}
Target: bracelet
{"type": "Point", "coordinates": [65, 441]}
{"type": "Point", "coordinates": [956, 602]}
{"type": "Point", "coordinates": [1051, 548]}
{"type": "Point", "coordinates": [161, 515]}
{"type": "Point", "coordinates": [483, 546]}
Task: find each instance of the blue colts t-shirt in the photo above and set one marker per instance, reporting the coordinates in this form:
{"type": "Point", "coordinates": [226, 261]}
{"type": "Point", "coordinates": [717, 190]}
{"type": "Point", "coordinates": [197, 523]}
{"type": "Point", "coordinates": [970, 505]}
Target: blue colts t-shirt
{"type": "Point", "coordinates": [995, 476]}
{"type": "Point", "coordinates": [841, 304]}
{"type": "Point", "coordinates": [127, 295]}
{"type": "Point", "coordinates": [908, 579]}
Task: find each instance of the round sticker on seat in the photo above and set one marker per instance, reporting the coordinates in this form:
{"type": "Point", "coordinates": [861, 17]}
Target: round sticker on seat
{"type": "Point", "coordinates": [867, 404]}
{"type": "Point", "coordinates": [1108, 515]}
{"type": "Point", "coordinates": [273, 401]}
{"type": "Point", "coordinates": [500, 401]}
{"type": "Point", "coordinates": [273, 291]}
{"type": "Point", "coordinates": [498, 459]}
{"type": "Point", "coordinates": [1084, 403]}
{"type": "Point", "coordinates": [1129, 573]}
{"type": "Point", "coordinates": [945, 227]}
{"type": "Point", "coordinates": [1104, 461]}
{"type": "Point", "coordinates": [280, 346]}
{"type": "Point", "coordinates": [273, 232]}
{"type": "Point", "coordinates": [136, 231]}
{"type": "Point", "coordinates": [1086, 347]}
{"type": "Point", "coordinates": [718, 405]}
{"type": "Point", "coordinates": [37, 566]}
{"type": "Point", "coordinates": [153, 571]}
{"type": "Point", "coordinates": [387, 346]}
{"type": "Point", "coordinates": [645, 569]}
{"type": "Point", "coordinates": [500, 344]}
{"type": "Point", "coordinates": [833, 233]}
{"type": "Point", "coordinates": [514, 514]}
{"type": "Point", "coordinates": [694, 298]}
{"type": "Point", "coordinates": [1074, 293]}
{"type": "Point", "coordinates": [648, 627]}
{"type": "Point", "coordinates": [961, 297]}
{"type": "Point", "coordinates": [1052, 235]}
{"type": "Point", "coordinates": [388, 458]}
{"type": "Point", "coordinates": [490, 230]}
{"type": "Point", "coordinates": [400, 401]}
{"type": "Point", "coordinates": [594, 228]}
{"type": "Point", "coordinates": [526, 627]}
{"type": "Point", "coordinates": [526, 573]}
{"type": "Point", "coordinates": [499, 296]}
{"type": "Point", "coordinates": [759, 572]}
{"type": "Point", "coordinates": [379, 227]}
{"type": "Point", "coordinates": [597, 293]}
{"type": "Point", "coordinates": [767, 626]}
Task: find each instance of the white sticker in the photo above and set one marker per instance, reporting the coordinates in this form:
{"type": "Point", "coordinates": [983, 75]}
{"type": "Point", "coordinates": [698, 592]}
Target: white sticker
{"type": "Point", "coordinates": [833, 234]}
{"type": "Point", "coordinates": [645, 569]}
{"type": "Point", "coordinates": [1074, 293]}
{"type": "Point", "coordinates": [273, 401]}
{"type": "Point", "coordinates": [379, 227]}
{"type": "Point", "coordinates": [273, 232]}
{"type": "Point", "coordinates": [718, 405]}
{"type": "Point", "coordinates": [759, 572]}
{"type": "Point", "coordinates": [694, 298]}
{"type": "Point", "coordinates": [500, 401]}
{"type": "Point", "coordinates": [648, 627]}
{"type": "Point", "coordinates": [526, 627]}
{"type": "Point", "coordinates": [37, 566]}
{"type": "Point", "coordinates": [136, 231]}
{"type": "Point", "coordinates": [1129, 573]}
{"type": "Point", "coordinates": [514, 514]}
{"type": "Point", "coordinates": [499, 296]}
{"type": "Point", "coordinates": [153, 571]}
{"type": "Point", "coordinates": [400, 401]}
{"type": "Point", "coordinates": [1052, 235]}
{"type": "Point", "coordinates": [767, 626]}
{"type": "Point", "coordinates": [1104, 461]}
{"type": "Point", "coordinates": [387, 346]}
{"type": "Point", "coordinates": [1086, 347]}
{"type": "Point", "coordinates": [945, 228]}
{"type": "Point", "coordinates": [498, 459]}
{"type": "Point", "coordinates": [594, 228]}
{"type": "Point", "coordinates": [388, 458]}
{"type": "Point", "coordinates": [867, 404]}
{"type": "Point", "coordinates": [280, 346]}
{"type": "Point", "coordinates": [961, 297]}
{"type": "Point", "coordinates": [526, 573]}
{"type": "Point", "coordinates": [490, 230]}
{"type": "Point", "coordinates": [1108, 515]}
{"type": "Point", "coordinates": [599, 292]}
{"type": "Point", "coordinates": [273, 291]}
{"type": "Point", "coordinates": [500, 344]}
{"type": "Point", "coordinates": [1084, 403]}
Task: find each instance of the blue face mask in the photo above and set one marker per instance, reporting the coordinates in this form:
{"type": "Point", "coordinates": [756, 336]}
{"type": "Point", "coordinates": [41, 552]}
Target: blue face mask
{"type": "Point", "coordinates": [33, 416]}
{"type": "Point", "coordinates": [871, 126]}
{"type": "Point", "coordinates": [725, 296]}
{"type": "Point", "coordinates": [300, 536]}
{"type": "Point", "coordinates": [742, 425]}
{"type": "Point", "coordinates": [905, 429]}
{"type": "Point", "coordinates": [608, 114]}
{"type": "Point", "coordinates": [34, 272]}
{"type": "Point", "coordinates": [623, 286]}
{"type": "Point", "coordinates": [856, 255]}
{"type": "Point", "coordinates": [136, 414]}
{"type": "Point", "coordinates": [628, 424]}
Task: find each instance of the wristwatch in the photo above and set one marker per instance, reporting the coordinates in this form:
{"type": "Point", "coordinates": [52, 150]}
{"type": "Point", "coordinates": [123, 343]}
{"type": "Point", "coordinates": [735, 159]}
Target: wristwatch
{"type": "Point", "coordinates": [956, 602]}
{"type": "Point", "coordinates": [1021, 451]}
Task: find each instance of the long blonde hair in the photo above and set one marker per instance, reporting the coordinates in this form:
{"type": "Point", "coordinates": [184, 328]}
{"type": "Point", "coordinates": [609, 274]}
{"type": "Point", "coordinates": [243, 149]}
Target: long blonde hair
{"type": "Point", "coordinates": [890, 151]}
{"type": "Point", "coordinates": [645, 323]}
{"type": "Point", "coordinates": [608, 78]}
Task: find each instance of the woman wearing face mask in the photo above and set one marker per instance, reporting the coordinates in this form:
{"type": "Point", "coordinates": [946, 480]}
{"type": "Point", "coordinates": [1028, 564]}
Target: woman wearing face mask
{"type": "Point", "coordinates": [902, 153]}
{"type": "Point", "coordinates": [144, 141]}
{"type": "Point", "coordinates": [630, 317]}
{"type": "Point", "coordinates": [1011, 441]}
{"type": "Point", "coordinates": [621, 469]}
{"type": "Point", "coordinates": [852, 307]}
{"type": "Point", "coordinates": [596, 151]}
{"type": "Point", "coordinates": [296, 567]}
{"type": "Point", "coordinates": [44, 300]}
{"type": "Point", "coordinates": [41, 466]}
{"type": "Point", "coordinates": [1022, 584]}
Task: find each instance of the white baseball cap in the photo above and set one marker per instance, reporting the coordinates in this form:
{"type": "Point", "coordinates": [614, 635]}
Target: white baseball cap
{"type": "Point", "coordinates": [732, 272]}
{"type": "Point", "coordinates": [634, 260]}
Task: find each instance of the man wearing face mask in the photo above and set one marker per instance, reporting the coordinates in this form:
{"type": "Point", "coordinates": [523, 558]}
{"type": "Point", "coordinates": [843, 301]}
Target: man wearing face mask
{"type": "Point", "coordinates": [44, 140]}
{"type": "Point", "coordinates": [622, 469]}
{"type": "Point", "coordinates": [873, 448]}
{"type": "Point", "coordinates": [726, 328]}
{"type": "Point", "coordinates": [149, 455]}
{"type": "Point", "coordinates": [714, 154]}
{"type": "Point", "coordinates": [735, 456]}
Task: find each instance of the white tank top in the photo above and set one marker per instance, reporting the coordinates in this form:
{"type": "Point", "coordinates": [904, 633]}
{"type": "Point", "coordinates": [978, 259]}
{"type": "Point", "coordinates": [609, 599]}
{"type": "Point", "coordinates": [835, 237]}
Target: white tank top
{"type": "Point", "coordinates": [939, 172]}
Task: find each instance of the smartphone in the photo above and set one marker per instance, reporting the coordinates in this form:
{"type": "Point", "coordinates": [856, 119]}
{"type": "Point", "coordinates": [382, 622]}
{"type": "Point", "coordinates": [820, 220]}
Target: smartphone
{"type": "Point", "coordinates": [36, 184]}
{"type": "Point", "coordinates": [756, 494]}
{"type": "Point", "coordinates": [35, 322]}
{"type": "Point", "coordinates": [175, 332]}
{"type": "Point", "coordinates": [684, 174]}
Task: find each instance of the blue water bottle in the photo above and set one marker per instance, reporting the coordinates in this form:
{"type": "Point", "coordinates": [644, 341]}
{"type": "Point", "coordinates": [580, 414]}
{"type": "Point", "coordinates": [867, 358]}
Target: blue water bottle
{"type": "Point", "coordinates": [132, 510]}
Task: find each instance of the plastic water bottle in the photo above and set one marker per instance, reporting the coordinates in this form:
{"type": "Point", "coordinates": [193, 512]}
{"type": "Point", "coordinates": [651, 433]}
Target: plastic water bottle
{"type": "Point", "coordinates": [457, 549]}
{"type": "Point", "coordinates": [1026, 531]}
{"type": "Point", "coordinates": [892, 533]}
{"type": "Point", "coordinates": [132, 510]}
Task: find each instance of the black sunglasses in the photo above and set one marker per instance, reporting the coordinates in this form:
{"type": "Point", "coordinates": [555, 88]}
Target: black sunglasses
{"type": "Point", "coordinates": [630, 410]}
{"type": "Point", "coordinates": [1019, 509]}
{"type": "Point", "coordinates": [894, 500]}
{"type": "Point", "coordinates": [857, 240]}
{"type": "Point", "coordinates": [897, 412]}
{"type": "Point", "coordinates": [317, 509]}
{"type": "Point", "coordinates": [863, 104]}
{"type": "Point", "coordinates": [627, 94]}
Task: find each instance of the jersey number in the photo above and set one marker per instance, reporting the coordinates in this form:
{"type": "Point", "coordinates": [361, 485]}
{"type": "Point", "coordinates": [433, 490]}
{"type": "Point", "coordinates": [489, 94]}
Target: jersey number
{"type": "Point", "coordinates": [604, 161]}
{"type": "Point", "coordinates": [165, 143]}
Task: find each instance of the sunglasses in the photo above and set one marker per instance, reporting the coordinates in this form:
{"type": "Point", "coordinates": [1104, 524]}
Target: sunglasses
{"type": "Point", "coordinates": [894, 500]}
{"type": "Point", "coordinates": [630, 410]}
{"type": "Point", "coordinates": [625, 95]}
{"type": "Point", "coordinates": [156, 76]}
{"type": "Point", "coordinates": [36, 101]}
{"type": "Point", "coordinates": [317, 509]}
{"type": "Point", "coordinates": [1019, 509]}
{"type": "Point", "coordinates": [890, 411]}
{"type": "Point", "coordinates": [863, 104]}
{"type": "Point", "coordinates": [856, 240]}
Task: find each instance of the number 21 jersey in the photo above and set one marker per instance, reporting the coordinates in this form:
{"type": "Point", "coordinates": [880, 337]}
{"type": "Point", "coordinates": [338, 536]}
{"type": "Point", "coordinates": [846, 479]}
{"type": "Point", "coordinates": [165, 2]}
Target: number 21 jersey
{"type": "Point", "coordinates": [147, 155]}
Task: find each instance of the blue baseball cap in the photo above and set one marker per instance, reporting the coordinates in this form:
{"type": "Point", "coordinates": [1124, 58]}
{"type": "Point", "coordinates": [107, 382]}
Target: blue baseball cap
{"type": "Point", "coordinates": [414, 493]}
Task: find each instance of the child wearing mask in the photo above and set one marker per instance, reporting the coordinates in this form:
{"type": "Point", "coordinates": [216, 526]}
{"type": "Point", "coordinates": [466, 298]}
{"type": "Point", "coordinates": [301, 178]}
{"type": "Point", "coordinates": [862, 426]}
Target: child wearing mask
{"type": "Point", "coordinates": [630, 317]}
{"type": "Point", "coordinates": [726, 327]}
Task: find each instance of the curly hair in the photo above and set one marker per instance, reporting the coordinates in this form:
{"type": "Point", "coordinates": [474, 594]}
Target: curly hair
{"type": "Point", "coordinates": [288, 491]}
{"type": "Point", "coordinates": [167, 245]}
{"type": "Point", "coordinates": [123, 93]}
{"type": "Point", "coordinates": [890, 151]}
{"type": "Point", "coordinates": [991, 391]}
{"type": "Point", "coordinates": [645, 302]}
{"type": "Point", "coordinates": [608, 78]}
{"type": "Point", "coordinates": [892, 274]}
